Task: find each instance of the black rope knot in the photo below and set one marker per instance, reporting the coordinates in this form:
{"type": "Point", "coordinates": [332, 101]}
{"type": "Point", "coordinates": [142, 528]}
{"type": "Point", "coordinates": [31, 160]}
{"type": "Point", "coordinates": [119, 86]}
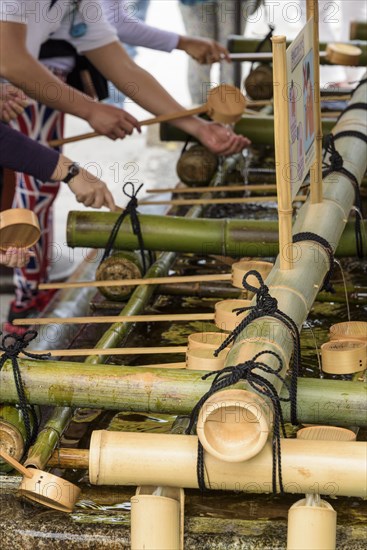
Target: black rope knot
{"type": "Point", "coordinates": [335, 159]}
{"type": "Point", "coordinates": [265, 305]}
{"type": "Point", "coordinates": [248, 371]}
{"type": "Point", "coordinates": [12, 345]}
{"type": "Point", "coordinates": [130, 210]}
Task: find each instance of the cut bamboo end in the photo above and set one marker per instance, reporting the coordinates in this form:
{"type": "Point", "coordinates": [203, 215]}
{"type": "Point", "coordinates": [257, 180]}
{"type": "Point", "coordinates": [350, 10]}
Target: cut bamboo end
{"type": "Point", "coordinates": [157, 518]}
{"type": "Point", "coordinates": [204, 359]}
{"type": "Point", "coordinates": [19, 228]}
{"type": "Point", "coordinates": [227, 319]}
{"type": "Point", "coordinates": [311, 525]}
{"type": "Point", "coordinates": [343, 54]}
{"type": "Point", "coordinates": [11, 440]}
{"type": "Point", "coordinates": [326, 433]}
{"type": "Point", "coordinates": [233, 425]}
{"type": "Point", "coordinates": [344, 356]}
{"type": "Point", "coordinates": [349, 330]}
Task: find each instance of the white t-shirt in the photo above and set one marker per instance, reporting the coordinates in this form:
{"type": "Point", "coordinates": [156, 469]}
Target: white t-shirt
{"type": "Point", "coordinates": [44, 21]}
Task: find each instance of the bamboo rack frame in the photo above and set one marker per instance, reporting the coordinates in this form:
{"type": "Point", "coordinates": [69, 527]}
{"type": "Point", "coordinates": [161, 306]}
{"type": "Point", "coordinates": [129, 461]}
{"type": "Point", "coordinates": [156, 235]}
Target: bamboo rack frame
{"type": "Point", "coordinates": [243, 200]}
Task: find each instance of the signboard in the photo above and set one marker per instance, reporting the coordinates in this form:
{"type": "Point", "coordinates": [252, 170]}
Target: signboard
{"type": "Point", "coordinates": [300, 95]}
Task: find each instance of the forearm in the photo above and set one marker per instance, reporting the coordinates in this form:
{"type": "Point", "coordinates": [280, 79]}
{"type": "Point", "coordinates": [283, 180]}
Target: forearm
{"type": "Point", "coordinates": [23, 154]}
{"type": "Point", "coordinates": [113, 62]}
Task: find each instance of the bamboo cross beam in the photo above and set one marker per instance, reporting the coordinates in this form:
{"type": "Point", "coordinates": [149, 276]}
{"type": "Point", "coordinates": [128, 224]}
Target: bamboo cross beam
{"type": "Point", "coordinates": [110, 351]}
{"type": "Point", "coordinates": [179, 191]}
{"type": "Point", "coordinates": [134, 282]}
{"type": "Point", "coordinates": [115, 319]}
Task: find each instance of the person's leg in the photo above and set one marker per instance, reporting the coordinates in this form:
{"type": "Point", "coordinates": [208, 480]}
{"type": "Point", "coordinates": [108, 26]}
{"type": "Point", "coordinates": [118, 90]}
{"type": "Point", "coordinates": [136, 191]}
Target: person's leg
{"type": "Point", "coordinates": [199, 20]}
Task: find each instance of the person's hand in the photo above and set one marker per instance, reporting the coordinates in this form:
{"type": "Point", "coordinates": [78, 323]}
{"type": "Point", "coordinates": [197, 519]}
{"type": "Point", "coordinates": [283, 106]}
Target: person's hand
{"type": "Point", "coordinates": [15, 257]}
{"type": "Point", "coordinates": [203, 50]}
{"type": "Point", "coordinates": [220, 139]}
{"type": "Point", "coordinates": [112, 122]}
{"type": "Point", "coordinates": [91, 191]}
{"type": "Point", "coordinates": [13, 101]}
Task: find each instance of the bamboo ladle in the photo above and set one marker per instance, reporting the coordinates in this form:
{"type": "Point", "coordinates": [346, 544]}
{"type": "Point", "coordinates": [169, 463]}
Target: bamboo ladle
{"type": "Point", "coordinates": [239, 269]}
{"type": "Point", "coordinates": [225, 104]}
{"type": "Point", "coordinates": [19, 227]}
{"type": "Point", "coordinates": [47, 489]}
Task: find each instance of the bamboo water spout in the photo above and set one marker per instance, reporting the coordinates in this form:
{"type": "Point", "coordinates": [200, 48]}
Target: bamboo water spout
{"type": "Point", "coordinates": [168, 391]}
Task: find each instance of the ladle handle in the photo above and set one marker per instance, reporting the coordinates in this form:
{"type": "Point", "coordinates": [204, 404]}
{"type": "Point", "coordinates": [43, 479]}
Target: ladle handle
{"type": "Point", "coordinates": [16, 465]}
{"type": "Point", "coordinates": [146, 122]}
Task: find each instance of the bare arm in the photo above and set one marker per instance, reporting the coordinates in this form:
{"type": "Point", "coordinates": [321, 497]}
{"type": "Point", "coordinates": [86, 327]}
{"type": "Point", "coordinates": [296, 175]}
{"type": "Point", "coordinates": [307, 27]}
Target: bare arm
{"type": "Point", "coordinates": [114, 63]}
{"type": "Point", "coordinates": [23, 70]}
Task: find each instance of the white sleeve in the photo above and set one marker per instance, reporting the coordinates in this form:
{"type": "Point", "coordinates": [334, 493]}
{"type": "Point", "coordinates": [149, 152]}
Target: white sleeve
{"type": "Point", "coordinates": [135, 32]}
{"type": "Point", "coordinates": [12, 11]}
{"type": "Point", "coordinates": [98, 33]}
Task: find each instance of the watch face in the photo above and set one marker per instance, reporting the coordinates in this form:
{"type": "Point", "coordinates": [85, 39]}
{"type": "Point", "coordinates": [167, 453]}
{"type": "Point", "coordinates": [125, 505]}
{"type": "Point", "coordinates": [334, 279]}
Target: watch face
{"type": "Point", "coordinates": [74, 170]}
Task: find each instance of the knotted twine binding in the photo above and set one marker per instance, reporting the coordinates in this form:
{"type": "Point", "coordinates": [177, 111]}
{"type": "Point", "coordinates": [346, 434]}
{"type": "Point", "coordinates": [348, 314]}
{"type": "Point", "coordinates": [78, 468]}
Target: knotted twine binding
{"type": "Point", "coordinates": [130, 210]}
{"type": "Point", "coordinates": [232, 375]}
{"type": "Point", "coordinates": [267, 306]}
{"type": "Point", "coordinates": [12, 345]}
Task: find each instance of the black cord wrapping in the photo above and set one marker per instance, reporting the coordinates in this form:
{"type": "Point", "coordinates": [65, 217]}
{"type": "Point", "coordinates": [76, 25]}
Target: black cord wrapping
{"type": "Point", "coordinates": [309, 236]}
{"type": "Point", "coordinates": [11, 346]}
{"type": "Point", "coordinates": [230, 376]}
{"type": "Point", "coordinates": [336, 165]}
{"type": "Point", "coordinates": [360, 83]}
{"type": "Point", "coordinates": [267, 306]}
{"type": "Point", "coordinates": [130, 210]}
{"type": "Point", "coordinates": [352, 107]}
{"type": "Point", "coordinates": [350, 133]}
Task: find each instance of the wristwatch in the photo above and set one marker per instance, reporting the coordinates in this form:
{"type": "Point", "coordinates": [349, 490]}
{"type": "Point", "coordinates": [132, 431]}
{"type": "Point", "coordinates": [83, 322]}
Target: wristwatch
{"type": "Point", "coordinates": [73, 171]}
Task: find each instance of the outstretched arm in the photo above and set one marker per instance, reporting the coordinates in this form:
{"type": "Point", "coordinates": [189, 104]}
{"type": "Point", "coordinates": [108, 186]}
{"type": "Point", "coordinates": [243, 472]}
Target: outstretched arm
{"type": "Point", "coordinates": [114, 63]}
{"type": "Point", "coordinates": [23, 70]}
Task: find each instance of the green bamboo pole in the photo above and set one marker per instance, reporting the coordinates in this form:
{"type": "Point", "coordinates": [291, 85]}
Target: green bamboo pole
{"type": "Point", "coordinates": [236, 238]}
{"type": "Point", "coordinates": [48, 438]}
{"type": "Point", "coordinates": [171, 391]}
{"type": "Point", "coordinates": [239, 44]}
{"type": "Point", "coordinates": [358, 30]}
{"type": "Point", "coordinates": [259, 129]}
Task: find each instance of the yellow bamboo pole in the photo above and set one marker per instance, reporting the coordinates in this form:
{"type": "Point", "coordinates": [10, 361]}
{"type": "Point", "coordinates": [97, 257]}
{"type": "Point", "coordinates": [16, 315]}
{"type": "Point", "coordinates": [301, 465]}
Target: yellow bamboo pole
{"type": "Point", "coordinates": [132, 282]}
{"type": "Point", "coordinates": [243, 200]}
{"type": "Point", "coordinates": [283, 163]}
{"type": "Point", "coordinates": [316, 168]}
{"type": "Point", "coordinates": [111, 351]}
{"type": "Point", "coordinates": [115, 319]}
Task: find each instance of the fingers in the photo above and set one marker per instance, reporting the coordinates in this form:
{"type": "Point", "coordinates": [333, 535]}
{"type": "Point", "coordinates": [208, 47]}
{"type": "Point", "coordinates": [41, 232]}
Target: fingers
{"type": "Point", "coordinates": [97, 197]}
{"type": "Point", "coordinates": [15, 257]}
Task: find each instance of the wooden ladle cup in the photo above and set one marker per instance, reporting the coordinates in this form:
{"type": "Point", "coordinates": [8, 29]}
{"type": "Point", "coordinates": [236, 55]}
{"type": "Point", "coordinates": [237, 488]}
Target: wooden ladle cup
{"type": "Point", "coordinates": [47, 489]}
{"type": "Point", "coordinates": [225, 104]}
{"type": "Point", "coordinates": [19, 227]}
